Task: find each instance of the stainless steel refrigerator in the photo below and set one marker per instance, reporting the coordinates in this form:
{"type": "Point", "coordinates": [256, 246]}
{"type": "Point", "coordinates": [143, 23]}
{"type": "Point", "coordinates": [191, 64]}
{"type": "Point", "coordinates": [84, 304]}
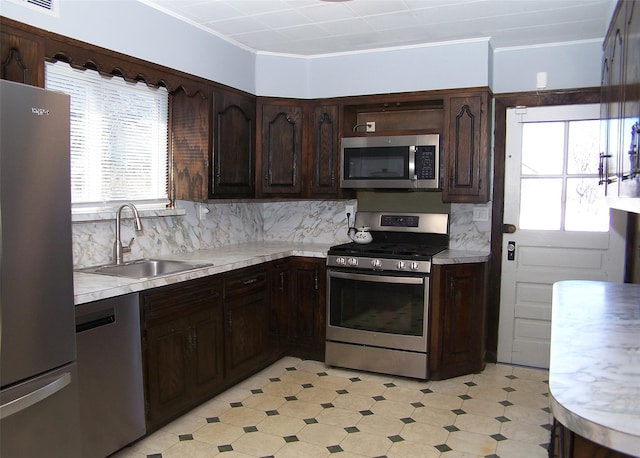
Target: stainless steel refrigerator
{"type": "Point", "coordinates": [38, 393]}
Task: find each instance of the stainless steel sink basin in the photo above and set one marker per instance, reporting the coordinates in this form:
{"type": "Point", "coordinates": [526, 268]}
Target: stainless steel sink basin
{"type": "Point", "coordinates": [144, 268]}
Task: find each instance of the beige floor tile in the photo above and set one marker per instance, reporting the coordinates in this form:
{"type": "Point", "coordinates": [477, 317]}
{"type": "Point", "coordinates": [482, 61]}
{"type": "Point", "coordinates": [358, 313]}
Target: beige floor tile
{"type": "Point", "coordinates": [338, 417]}
{"type": "Point", "coordinates": [478, 424]}
{"type": "Point", "coordinates": [322, 434]}
{"type": "Point", "coordinates": [392, 409]}
{"type": "Point", "coordinates": [212, 408]}
{"type": "Point", "coordinates": [531, 373]}
{"type": "Point", "coordinates": [302, 450]}
{"type": "Point", "coordinates": [366, 388]}
{"type": "Point", "coordinates": [515, 449]}
{"type": "Point", "coordinates": [399, 393]}
{"type": "Point", "coordinates": [434, 416]}
{"type": "Point", "coordinates": [280, 425]}
{"type": "Point", "coordinates": [533, 416]}
{"type": "Point", "coordinates": [381, 425]}
{"type": "Point", "coordinates": [242, 416]}
{"type": "Point", "coordinates": [310, 365]}
{"type": "Point", "coordinates": [485, 408]}
{"type": "Point", "coordinates": [473, 443]}
{"type": "Point", "coordinates": [528, 399]}
{"type": "Point", "coordinates": [412, 383]}
{"type": "Point", "coordinates": [218, 433]}
{"type": "Point", "coordinates": [299, 376]}
{"type": "Point", "coordinates": [525, 432]}
{"type": "Point", "coordinates": [424, 434]}
{"type": "Point", "coordinates": [332, 382]}
{"type": "Point", "coordinates": [258, 444]}
{"type": "Point", "coordinates": [406, 449]}
{"type": "Point", "coordinates": [264, 401]}
{"type": "Point", "coordinates": [191, 449]}
{"type": "Point", "coordinates": [300, 409]}
{"type": "Point", "coordinates": [441, 401]}
{"type": "Point", "coordinates": [452, 387]}
{"type": "Point", "coordinates": [533, 386]}
{"type": "Point", "coordinates": [185, 424]}
{"type": "Point", "coordinates": [282, 388]}
{"type": "Point", "coordinates": [497, 369]}
{"type": "Point", "coordinates": [376, 378]}
{"type": "Point", "coordinates": [354, 402]}
{"type": "Point", "coordinates": [366, 444]}
{"type": "Point", "coordinates": [491, 379]}
{"type": "Point", "coordinates": [157, 442]}
{"type": "Point", "coordinates": [129, 453]}
{"type": "Point", "coordinates": [317, 395]}
{"type": "Point", "coordinates": [487, 393]}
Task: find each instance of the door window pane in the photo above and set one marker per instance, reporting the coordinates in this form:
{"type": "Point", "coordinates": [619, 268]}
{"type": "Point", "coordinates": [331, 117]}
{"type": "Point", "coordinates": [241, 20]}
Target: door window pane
{"type": "Point", "coordinates": [541, 203]}
{"type": "Point", "coordinates": [586, 206]}
{"type": "Point", "coordinates": [542, 148]}
{"type": "Point", "coordinates": [584, 138]}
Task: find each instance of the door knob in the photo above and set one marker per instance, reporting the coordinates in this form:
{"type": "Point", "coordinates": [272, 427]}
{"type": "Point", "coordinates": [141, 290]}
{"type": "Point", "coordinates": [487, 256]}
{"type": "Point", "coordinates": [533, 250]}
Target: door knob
{"type": "Point", "coordinates": [508, 228]}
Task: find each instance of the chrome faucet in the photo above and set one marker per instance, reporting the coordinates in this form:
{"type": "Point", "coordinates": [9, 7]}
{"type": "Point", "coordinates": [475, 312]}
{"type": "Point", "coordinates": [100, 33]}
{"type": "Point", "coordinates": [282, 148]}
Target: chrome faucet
{"type": "Point", "coordinates": [118, 248]}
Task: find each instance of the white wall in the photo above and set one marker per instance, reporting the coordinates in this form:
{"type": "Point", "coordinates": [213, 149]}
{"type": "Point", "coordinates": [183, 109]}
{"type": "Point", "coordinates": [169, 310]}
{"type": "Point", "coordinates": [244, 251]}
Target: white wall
{"type": "Point", "coordinates": [568, 65]}
{"type": "Point", "coordinates": [133, 28]}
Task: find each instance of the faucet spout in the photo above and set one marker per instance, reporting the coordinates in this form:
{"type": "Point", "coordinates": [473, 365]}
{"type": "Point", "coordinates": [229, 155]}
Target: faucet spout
{"type": "Point", "coordinates": [118, 248]}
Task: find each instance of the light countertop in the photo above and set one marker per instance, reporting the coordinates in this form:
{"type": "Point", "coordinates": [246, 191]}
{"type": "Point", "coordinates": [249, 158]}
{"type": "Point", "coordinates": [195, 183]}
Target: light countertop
{"type": "Point", "coordinates": [92, 287]}
{"type": "Point", "coordinates": [594, 374]}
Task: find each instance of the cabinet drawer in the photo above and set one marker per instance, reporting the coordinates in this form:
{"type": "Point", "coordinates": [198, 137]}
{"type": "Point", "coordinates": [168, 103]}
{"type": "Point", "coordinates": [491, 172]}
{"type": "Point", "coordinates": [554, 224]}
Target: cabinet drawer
{"type": "Point", "coordinates": [167, 300]}
{"type": "Point", "coordinates": [245, 282]}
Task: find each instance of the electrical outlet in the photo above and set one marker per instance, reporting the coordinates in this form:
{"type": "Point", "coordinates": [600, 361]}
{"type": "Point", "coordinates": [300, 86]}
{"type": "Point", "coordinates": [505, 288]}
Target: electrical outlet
{"type": "Point", "coordinates": [371, 126]}
{"type": "Point", "coordinates": [349, 209]}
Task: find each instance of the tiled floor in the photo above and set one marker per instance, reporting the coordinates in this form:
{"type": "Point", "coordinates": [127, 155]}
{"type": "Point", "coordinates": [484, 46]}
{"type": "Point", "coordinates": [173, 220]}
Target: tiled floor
{"type": "Point", "coordinates": [299, 408]}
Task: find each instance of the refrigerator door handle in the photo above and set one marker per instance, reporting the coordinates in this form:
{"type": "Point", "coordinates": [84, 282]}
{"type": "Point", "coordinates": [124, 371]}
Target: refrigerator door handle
{"type": "Point", "coordinates": [23, 401]}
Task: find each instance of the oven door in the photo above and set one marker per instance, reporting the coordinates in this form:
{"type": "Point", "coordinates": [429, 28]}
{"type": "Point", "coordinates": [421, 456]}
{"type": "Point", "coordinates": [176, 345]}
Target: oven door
{"type": "Point", "coordinates": [387, 311]}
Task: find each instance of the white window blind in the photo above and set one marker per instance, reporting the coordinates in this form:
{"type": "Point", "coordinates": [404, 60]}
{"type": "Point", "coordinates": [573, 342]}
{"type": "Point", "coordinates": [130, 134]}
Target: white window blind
{"type": "Point", "coordinates": [119, 137]}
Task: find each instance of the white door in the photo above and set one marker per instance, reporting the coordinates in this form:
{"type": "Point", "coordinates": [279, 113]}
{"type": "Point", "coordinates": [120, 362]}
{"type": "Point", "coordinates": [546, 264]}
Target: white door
{"type": "Point", "coordinates": [560, 221]}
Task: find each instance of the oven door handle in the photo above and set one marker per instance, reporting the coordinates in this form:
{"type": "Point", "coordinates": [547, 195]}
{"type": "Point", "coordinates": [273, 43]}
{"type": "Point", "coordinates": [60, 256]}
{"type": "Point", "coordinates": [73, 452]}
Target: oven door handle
{"type": "Point", "coordinates": [378, 278]}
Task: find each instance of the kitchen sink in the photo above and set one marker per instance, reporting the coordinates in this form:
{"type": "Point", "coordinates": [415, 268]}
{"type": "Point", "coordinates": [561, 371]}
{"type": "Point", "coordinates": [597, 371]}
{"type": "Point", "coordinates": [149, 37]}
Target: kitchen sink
{"type": "Point", "coordinates": [143, 268]}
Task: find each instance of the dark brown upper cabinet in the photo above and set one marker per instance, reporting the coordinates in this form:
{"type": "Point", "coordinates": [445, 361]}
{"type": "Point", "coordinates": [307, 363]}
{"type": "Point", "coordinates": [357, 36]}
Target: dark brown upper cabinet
{"type": "Point", "coordinates": [280, 148]}
{"type": "Point", "coordinates": [233, 158]}
{"type": "Point", "coordinates": [21, 57]}
{"type": "Point", "coordinates": [466, 148]}
{"type": "Point", "coordinates": [190, 144]}
{"type": "Point", "coordinates": [324, 167]}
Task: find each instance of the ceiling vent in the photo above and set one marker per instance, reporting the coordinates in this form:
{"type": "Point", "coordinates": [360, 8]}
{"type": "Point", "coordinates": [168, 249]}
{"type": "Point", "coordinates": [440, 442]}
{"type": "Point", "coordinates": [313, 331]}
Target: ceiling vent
{"type": "Point", "coordinates": [51, 7]}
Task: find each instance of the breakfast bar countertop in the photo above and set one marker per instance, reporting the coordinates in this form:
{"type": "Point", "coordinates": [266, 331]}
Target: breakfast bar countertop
{"type": "Point", "coordinates": [91, 287]}
{"type": "Point", "coordinates": [594, 374]}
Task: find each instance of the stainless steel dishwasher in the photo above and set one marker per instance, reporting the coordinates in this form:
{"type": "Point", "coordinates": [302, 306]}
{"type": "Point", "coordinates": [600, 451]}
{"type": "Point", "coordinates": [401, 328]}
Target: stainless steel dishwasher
{"type": "Point", "coordinates": [110, 374]}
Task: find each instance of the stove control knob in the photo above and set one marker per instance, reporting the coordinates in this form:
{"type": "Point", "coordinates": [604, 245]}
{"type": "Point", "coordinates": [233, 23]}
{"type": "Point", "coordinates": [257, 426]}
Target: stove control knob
{"type": "Point", "coordinates": [353, 262]}
{"type": "Point", "coordinates": [341, 261]}
{"type": "Point", "coordinates": [414, 265]}
{"type": "Point", "coordinates": [376, 264]}
{"type": "Point", "coordinates": [401, 265]}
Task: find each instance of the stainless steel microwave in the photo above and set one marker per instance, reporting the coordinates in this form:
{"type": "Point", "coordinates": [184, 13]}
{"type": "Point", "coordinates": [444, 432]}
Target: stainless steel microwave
{"type": "Point", "coordinates": [398, 162]}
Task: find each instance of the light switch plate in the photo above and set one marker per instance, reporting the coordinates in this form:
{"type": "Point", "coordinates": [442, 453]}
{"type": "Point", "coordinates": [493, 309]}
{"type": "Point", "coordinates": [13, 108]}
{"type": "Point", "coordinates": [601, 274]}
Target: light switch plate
{"type": "Point", "coordinates": [481, 214]}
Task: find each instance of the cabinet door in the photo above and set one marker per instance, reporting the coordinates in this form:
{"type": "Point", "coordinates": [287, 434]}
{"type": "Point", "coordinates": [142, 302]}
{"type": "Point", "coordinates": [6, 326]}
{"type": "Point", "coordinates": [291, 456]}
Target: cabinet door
{"type": "Point", "coordinates": [630, 176]}
{"type": "Point", "coordinates": [246, 313]}
{"type": "Point", "coordinates": [281, 292]}
{"type": "Point", "coordinates": [614, 100]}
{"type": "Point", "coordinates": [234, 145]}
{"type": "Point", "coordinates": [167, 371]}
{"type": "Point", "coordinates": [281, 149]}
{"type": "Point", "coordinates": [308, 309]}
{"type": "Point", "coordinates": [206, 350]}
{"type": "Point", "coordinates": [457, 320]}
{"type": "Point", "coordinates": [21, 57]}
{"type": "Point", "coordinates": [467, 149]}
{"type": "Point", "coordinates": [190, 144]}
{"type": "Point", "coordinates": [325, 151]}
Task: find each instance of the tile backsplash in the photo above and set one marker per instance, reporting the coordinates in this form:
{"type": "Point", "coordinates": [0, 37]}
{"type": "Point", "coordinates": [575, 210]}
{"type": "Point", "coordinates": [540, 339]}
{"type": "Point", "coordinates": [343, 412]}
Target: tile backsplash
{"type": "Point", "coordinates": [229, 223]}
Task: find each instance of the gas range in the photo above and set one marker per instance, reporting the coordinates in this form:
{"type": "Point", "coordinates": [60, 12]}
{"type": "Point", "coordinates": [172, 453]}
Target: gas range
{"type": "Point", "coordinates": [402, 242]}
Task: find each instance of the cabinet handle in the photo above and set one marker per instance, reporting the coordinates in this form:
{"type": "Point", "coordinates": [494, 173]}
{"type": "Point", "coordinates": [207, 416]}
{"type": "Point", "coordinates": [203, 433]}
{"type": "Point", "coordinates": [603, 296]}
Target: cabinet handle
{"type": "Point", "coordinates": [316, 279]}
{"type": "Point", "coordinates": [250, 281]}
{"type": "Point", "coordinates": [281, 281]}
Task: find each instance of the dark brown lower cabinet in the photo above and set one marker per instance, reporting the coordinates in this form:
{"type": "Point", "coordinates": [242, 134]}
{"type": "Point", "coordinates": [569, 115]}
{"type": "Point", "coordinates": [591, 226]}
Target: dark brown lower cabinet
{"type": "Point", "coordinates": [182, 335]}
{"type": "Point", "coordinates": [457, 320]}
{"type": "Point", "coordinates": [298, 306]}
{"type": "Point", "coordinates": [246, 322]}
{"type": "Point", "coordinates": [567, 444]}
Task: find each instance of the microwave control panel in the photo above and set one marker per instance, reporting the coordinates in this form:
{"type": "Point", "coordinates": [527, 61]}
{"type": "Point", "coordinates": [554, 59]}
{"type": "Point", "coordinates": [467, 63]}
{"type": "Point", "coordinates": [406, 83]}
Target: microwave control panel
{"type": "Point", "coordinates": [426, 162]}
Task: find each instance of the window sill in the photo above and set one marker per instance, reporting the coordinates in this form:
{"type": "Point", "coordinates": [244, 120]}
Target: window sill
{"type": "Point", "coordinates": [109, 214]}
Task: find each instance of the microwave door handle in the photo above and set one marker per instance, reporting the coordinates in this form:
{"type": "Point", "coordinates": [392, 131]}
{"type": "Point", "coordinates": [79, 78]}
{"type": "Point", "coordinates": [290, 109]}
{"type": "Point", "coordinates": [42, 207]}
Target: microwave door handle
{"type": "Point", "coordinates": [412, 163]}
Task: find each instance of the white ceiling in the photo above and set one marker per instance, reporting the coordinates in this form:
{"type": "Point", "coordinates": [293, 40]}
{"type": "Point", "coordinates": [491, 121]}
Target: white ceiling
{"type": "Point", "coordinates": [312, 27]}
